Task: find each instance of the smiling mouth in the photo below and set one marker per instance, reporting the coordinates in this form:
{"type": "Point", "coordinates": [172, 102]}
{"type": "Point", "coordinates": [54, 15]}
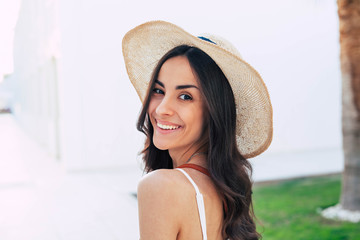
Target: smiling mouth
{"type": "Point", "coordinates": [167, 127]}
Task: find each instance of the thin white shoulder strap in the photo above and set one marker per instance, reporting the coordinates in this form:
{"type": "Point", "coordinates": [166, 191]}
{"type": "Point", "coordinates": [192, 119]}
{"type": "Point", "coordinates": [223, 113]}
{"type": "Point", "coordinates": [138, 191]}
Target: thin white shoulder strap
{"type": "Point", "coordinates": [200, 204]}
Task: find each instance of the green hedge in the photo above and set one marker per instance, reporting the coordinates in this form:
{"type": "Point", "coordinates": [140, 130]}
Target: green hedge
{"type": "Point", "coordinates": [289, 210]}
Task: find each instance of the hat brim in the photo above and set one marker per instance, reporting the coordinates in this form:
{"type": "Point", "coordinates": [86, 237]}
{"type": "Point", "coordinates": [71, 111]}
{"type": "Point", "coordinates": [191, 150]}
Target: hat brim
{"type": "Point", "coordinates": [146, 44]}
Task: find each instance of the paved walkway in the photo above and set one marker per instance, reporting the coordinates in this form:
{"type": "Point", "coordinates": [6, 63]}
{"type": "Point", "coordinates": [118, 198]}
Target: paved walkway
{"type": "Point", "coordinates": [39, 200]}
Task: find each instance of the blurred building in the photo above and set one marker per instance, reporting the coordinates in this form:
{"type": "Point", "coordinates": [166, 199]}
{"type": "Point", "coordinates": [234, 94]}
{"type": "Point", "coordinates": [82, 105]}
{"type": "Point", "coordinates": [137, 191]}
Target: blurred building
{"type": "Point", "coordinates": [73, 96]}
{"type": "Point", "coordinates": [35, 73]}
{"type": "Point", "coordinates": [6, 95]}
{"type": "Point", "coordinates": [67, 88]}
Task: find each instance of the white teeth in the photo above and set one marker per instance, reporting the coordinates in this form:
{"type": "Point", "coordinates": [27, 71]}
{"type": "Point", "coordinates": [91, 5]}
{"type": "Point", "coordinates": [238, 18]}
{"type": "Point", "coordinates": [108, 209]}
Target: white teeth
{"type": "Point", "coordinates": [167, 127]}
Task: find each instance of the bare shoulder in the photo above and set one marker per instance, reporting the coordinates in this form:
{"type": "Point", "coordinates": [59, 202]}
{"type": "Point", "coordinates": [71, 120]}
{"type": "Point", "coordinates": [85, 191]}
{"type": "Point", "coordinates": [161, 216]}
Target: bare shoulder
{"type": "Point", "coordinates": [166, 183]}
{"type": "Point", "coordinates": [160, 176]}
{"type": "Point", "coordinates": [161, 198]}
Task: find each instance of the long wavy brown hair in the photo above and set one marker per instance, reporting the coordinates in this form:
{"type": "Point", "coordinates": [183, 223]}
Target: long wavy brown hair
{"type": "Point", "coordinates": [229, 170]}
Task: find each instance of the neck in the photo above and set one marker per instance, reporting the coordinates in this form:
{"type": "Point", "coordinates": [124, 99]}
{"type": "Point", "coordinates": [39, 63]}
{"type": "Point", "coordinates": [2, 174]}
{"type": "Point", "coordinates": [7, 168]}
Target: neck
{"type": "Point", "coordinates": [196, 156]}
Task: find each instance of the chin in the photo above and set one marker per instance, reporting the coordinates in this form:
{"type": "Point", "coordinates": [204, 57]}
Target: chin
{"type": "Point", "coordinates": [160, 145]}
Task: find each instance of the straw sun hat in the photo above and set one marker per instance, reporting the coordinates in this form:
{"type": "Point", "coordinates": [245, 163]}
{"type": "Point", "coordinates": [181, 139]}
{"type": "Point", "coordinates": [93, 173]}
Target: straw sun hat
{"type": "Point", "coordinates": [146, 44]}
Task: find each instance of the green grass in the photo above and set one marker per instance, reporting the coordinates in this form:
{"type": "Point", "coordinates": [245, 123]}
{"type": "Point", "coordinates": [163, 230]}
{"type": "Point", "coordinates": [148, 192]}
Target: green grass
{"type": "Point", "coordinates": [289, 210]}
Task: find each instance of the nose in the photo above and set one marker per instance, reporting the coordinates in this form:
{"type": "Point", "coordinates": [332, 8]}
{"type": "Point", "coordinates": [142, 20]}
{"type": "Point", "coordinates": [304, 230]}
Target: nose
{"type": "Point", "coordinates": [165, 107]}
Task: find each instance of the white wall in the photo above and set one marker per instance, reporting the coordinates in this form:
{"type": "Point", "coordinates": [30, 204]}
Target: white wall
{"type": "Point", "coordinates": [293, 44]}
{"type": "Point", "coordinates": [35, 72]}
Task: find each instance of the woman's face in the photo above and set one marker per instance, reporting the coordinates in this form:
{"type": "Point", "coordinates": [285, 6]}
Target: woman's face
{"type": "Point", "coordinates": [176, 107]}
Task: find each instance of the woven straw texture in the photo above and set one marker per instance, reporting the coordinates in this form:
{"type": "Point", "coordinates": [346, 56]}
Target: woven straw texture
{"type": "Point", "coordinates": [144, 46]}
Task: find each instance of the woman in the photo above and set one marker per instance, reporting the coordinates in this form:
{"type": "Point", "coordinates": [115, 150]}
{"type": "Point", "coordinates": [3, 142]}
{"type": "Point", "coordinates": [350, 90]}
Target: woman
{"type": "Point", "coordinates": [205, 111]}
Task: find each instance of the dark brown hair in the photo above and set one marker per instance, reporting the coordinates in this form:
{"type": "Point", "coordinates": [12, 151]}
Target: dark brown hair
{"type": "Point", "coordinates": [229, 170]}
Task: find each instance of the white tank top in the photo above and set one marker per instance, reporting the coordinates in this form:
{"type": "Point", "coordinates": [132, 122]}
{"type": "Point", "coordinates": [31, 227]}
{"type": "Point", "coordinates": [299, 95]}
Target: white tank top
{"type": "Point", "coordinates": [200, 204]}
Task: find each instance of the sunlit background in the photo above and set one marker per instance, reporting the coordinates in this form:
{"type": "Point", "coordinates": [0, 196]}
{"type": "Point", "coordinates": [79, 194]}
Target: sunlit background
{"type": "Point", "coordinates": [69, 160]}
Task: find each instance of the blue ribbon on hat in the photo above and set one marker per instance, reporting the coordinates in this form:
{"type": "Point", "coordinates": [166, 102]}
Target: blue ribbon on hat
{"type": "Point", "coordinates": [206, 39]}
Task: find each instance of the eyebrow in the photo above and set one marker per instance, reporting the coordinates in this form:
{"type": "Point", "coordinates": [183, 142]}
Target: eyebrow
{"type": "Point", "coordinates": [177, 87]}
{"type": "Point", "coordinates": [160, 83]}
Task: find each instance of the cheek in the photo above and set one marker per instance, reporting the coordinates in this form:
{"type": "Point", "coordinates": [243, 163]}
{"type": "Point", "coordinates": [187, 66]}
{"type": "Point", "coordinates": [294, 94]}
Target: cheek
{"type": "Point", "coordinates": [152, 107]}
{"type": "Point", "coordinates": [202, 122]}
{"type": "Point", "coordinates": [196, 120]}
{"type": "Point", "coordinates": [150, 111]}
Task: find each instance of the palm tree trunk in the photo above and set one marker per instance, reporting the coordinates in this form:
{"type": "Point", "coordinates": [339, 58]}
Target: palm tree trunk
{"type": "Point", "coordinates": [349, 16]}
